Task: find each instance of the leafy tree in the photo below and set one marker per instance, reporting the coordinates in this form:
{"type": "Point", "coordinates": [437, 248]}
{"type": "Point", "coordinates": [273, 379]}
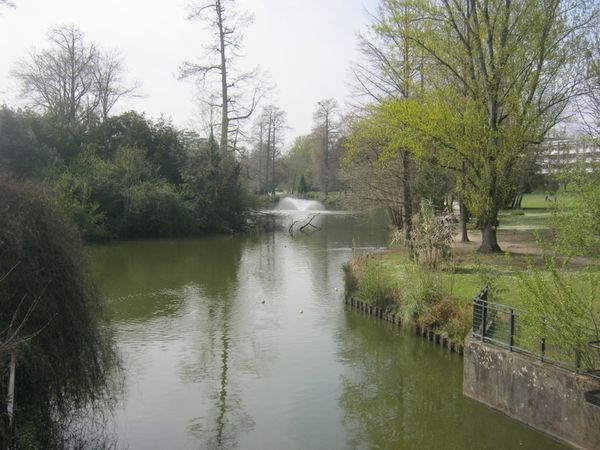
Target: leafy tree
{"type": "Point", "coordinates": [156, 209]}
{"type": "Point", "coordinates": [392, 66]}
{"type": "Point", "coordinates": [577, 223]}
{"type": "Point", "coordinates": [503, 74]}
{"type": "Point", "coordinates": [376, 171]}
{"type": "Point", "coordinates": [130, 129]}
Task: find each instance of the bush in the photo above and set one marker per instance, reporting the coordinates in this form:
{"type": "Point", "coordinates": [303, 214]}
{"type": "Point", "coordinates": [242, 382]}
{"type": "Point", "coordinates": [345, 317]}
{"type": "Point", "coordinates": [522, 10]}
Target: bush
{"type": "Point", "coordinates": [51, 321]}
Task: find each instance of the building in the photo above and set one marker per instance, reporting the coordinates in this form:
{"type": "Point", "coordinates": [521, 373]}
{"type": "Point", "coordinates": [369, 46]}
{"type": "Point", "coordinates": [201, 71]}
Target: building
{"type": "Point", "coordinates": [559, 155]}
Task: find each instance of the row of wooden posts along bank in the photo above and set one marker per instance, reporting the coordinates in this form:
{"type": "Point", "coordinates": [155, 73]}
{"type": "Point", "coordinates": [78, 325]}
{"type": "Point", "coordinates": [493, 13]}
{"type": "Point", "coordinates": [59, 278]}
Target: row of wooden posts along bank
{"type": "Point", "coordinates": [424, 332]}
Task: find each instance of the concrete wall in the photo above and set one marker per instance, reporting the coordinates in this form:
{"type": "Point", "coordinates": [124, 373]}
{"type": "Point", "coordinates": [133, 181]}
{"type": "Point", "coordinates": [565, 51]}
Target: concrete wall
{"type": "Point", "coordinates": [543, 396]}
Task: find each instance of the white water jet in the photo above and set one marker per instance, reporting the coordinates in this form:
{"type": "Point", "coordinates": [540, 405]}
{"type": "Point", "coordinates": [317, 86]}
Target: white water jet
{"type": "Point", "coordinates": [297, 204]}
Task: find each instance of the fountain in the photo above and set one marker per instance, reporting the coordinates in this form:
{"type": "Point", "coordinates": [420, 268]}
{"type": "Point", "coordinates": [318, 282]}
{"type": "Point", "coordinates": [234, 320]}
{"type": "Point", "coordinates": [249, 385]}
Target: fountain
{"type": "Point", "coordinates": [297, 204]}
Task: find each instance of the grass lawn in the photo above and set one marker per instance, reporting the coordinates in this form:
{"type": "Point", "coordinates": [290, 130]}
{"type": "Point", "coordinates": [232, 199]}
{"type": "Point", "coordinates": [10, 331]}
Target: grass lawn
{"type": "Point", "coordinates": [536, 211]}
{"type": "Point", "coordinates": [525, 219]}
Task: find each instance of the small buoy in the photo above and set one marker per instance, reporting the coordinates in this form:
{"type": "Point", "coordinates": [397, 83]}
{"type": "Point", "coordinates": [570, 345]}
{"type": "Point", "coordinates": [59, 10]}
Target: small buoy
{"type": "Point", "coordinates": [263, 301]}
{"type": "Point", "coordinates": [337, 289]}
{"type": "Point", "coordinates": [301, 312]}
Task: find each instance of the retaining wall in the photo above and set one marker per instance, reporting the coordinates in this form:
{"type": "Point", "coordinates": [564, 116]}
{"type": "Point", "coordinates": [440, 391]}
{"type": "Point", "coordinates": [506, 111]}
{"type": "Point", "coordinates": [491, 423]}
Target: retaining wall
{"type": "Point", "coordinates": [543, 396]}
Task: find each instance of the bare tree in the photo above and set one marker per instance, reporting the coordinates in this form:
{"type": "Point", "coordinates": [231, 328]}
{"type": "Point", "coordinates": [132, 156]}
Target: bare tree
{"type": "Point", "coordinates": [60, 80]}
{"type": "Point", "coordinates": [268, 130]}
{"type": "Point", "coordinates": [72, 80]}
{"type": "Point", "coordinates": [218, 65]}
{"type": "Point", "coordinates": [110, 85]}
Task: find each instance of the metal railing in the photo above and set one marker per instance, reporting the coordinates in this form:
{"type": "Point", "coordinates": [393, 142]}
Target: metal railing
{"type": "Point", "coordinates": [507, 327]}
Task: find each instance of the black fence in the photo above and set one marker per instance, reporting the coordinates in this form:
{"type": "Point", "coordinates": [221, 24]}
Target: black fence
{"type": "Point", "coordinates": [510, 328]}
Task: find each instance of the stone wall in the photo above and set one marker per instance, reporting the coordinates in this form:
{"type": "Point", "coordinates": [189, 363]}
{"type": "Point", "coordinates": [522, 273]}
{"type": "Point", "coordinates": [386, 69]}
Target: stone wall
{"type": "Point", "coordinates": [543, 396]}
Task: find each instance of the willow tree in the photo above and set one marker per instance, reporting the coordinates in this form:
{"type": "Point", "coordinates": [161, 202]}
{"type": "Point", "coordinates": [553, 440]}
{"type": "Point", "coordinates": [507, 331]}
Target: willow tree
{"type": "Point", "coordinates": [502, 75]}
{"type": "Point", "coordinates": [57, 354]}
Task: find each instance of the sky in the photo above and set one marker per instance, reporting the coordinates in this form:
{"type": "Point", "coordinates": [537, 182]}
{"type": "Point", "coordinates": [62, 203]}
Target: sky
{"type": "Point", "coordinates": [305, 46]}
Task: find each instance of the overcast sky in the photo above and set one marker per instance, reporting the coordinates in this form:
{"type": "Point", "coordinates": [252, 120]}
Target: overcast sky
{"type": "Point", "coordinates": [305, 45]}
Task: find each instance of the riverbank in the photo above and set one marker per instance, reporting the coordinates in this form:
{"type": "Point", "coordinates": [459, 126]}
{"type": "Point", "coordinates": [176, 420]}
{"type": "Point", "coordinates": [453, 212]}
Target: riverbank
{"type": "Point", "coordinates": [440, 300]}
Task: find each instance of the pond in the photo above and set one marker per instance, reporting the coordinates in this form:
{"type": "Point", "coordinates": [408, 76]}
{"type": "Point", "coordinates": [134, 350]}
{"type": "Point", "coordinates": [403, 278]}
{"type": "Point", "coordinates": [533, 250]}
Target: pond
{"type": "Point", "coordinates": [245, 342]}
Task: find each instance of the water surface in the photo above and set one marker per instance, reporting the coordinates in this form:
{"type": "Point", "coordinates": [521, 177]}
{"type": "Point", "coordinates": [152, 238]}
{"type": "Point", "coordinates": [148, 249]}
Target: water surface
{"type": "Point", "coordinates": [244, 342]}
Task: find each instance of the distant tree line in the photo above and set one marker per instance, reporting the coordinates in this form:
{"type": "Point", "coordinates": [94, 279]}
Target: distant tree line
{"type": "Point", "coordinates": [116, 176]}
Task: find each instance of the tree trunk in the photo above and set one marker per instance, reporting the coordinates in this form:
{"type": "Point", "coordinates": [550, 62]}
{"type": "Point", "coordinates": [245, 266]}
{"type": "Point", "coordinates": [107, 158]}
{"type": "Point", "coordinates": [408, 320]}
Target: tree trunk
{"type": "Point", "coordinates": [268, 154]}
{"type": "Point", "coordinates": [464, 218]}
{"type": "Point", "coordinates": [489, 241]}
{"type": "Point", "coordinates": [261, 189]}
{"type": "Point", "coordinates": [224, 85]}
{"type": "Point", "coordinates": [327, 154]}
{"type": "Point", "coordinates": [273, 160]}
{"type": "Point", "coordinates": [407, 194]}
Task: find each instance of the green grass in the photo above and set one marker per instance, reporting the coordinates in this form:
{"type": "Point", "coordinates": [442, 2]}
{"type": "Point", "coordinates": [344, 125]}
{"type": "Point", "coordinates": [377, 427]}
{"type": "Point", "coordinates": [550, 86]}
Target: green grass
{"type": "Point", "coordinates": [531, 219]}
{"type": "Point", "coordinates": [536, 212]}
{"type": "Point", "coordinates": [537, 200]}
{"type": "Point", "coordinates": [464, 280]}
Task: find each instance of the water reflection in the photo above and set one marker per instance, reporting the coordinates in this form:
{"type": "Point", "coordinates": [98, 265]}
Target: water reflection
{"type": "Point", "coordinates": [134, 268]}
{"type": "Point", "coordinates": [226, 417]}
